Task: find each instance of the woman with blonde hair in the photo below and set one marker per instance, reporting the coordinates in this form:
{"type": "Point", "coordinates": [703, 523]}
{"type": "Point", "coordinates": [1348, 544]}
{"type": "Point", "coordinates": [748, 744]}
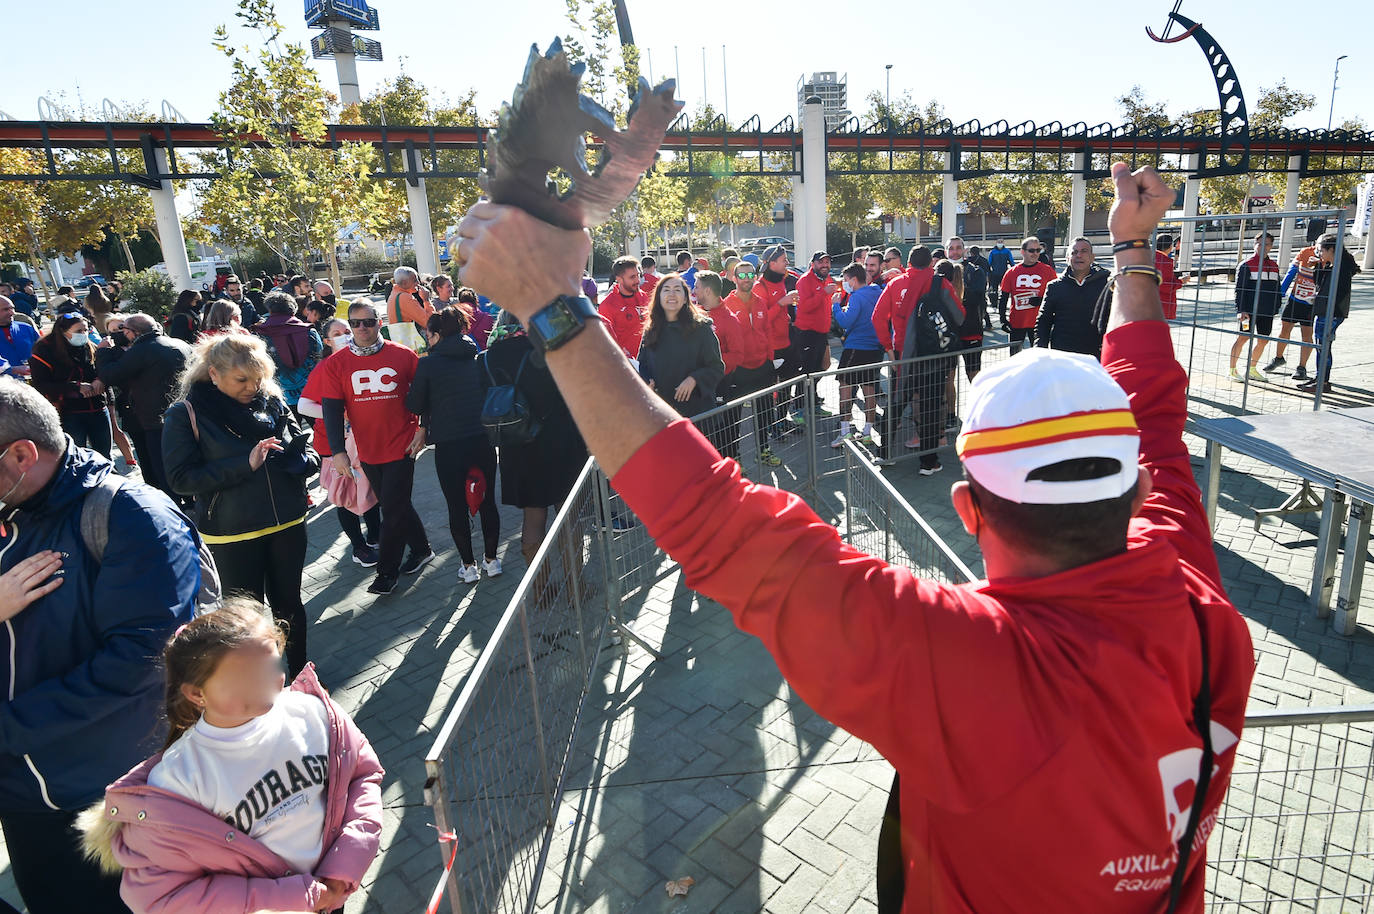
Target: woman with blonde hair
{"type": "Point", "coordinates": [223, 317]}
{"type": "Point", "coordinates": [233, 444]}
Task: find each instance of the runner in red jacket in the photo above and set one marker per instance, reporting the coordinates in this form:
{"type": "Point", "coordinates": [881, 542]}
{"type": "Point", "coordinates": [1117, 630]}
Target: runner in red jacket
{"type": "Point", "coordinates": [625, 307]}
{"type": "Point", "coordinates": [1042, 720]}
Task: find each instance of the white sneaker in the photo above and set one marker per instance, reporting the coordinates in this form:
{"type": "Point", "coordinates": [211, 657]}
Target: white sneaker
{"type": "Point", "coordinates": [469, 574]}
{"type": "Point", "coordinates": [844, 433]}
{"type": "Point", "coordinates": [492, 567]}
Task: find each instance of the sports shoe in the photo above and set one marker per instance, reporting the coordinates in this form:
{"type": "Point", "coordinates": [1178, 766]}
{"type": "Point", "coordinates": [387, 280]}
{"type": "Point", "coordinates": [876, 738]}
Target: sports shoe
{"type": "Point", "coordinates": [845, 432]}
{"type": "Point", "coordinates": [416, 562]}
{"type": "Point", "coordinates": [622, 522]}
{"type": "Point", "coordinates": [797, 418]}
{"type": "Point", "coordinates": [1311, 387]}
{"type": "Point", "coordinates": [869, 436]}
{"type": "Point", "coordinates": [768, 459]}
{"type": "Point", "coordinates": [1275, 363]}
{"type": "Point", "coordinates": [913, 445]}
{"type": "Point", "coordinates": [469, 574]}
{"type": "Point", "coordinates": [492, 567]}
{"type": "Point", "coordinates": [1236, 376]}
{"type": "Point", "coordinates": [383, 584]}
{"type": "Point", "coordinates": [365, 555]}
{"type": "Point", "coordinates": [1300, 373]}
{"type": "Point", "coordinates": [930, 469]}
{"type": "Point", "coordinates": [1255, 374]}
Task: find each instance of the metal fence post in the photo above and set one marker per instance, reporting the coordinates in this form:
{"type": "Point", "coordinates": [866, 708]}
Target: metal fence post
{"type": "Point", "coordinates": [849, 492]}
{"type": "Point", "coordinates": [534, 710]}
{"type": "Point", "coordinates": [813, 430]}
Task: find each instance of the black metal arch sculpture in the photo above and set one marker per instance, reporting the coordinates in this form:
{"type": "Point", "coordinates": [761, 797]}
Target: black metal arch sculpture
{"type": "Point", "coordinates": [1235, 120]}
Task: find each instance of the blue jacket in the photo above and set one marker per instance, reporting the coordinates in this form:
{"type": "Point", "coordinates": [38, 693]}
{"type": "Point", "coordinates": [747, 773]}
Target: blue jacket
{"type": "Point", "coordinates": [1000, 261]}
{"type": "Point", "coordinates": [82, 666]}
{"type": "Point", "coordinates": [24, 302]}
{"type": "Point", "coordinates": [856, 318]}
{"type": "Point", "coordinates": [16, 343]}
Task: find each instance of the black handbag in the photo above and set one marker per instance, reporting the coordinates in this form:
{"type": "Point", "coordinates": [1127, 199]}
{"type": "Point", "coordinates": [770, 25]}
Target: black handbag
{"type": "Point", "coordinates": [506, 412]}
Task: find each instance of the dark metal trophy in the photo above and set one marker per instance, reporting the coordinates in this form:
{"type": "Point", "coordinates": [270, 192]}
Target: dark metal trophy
{"type": "Point", "coordinates": [544, 128]}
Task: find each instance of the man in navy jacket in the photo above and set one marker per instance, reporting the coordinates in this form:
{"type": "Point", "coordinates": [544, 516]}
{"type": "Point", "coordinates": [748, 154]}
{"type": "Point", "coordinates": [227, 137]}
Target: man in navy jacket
{"type": "Point", "coordinates": [79, 659]}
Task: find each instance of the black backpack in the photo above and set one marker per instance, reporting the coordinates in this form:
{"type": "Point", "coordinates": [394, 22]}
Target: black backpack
{"type": "Point", "coordinates": [506, 412]}
{"type": "Point", "coordinates": [933, 328]}
{"type": "Point", "coordinates": [95, 532]}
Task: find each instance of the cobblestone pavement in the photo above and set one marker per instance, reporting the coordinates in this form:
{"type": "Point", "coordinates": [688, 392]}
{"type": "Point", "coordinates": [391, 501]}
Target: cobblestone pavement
{"type": "Point", "coordinates": [703, 763]}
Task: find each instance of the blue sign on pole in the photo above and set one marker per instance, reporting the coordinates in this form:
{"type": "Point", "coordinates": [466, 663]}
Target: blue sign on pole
{"type": "Point", "coordinates": [355, 12]}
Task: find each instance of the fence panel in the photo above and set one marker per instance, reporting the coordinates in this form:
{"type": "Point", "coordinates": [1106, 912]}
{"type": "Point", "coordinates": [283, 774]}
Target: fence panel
{"type": "Point", "coordinates": [1295, 832]}
{"type": "Point", "coordinates": [496, 768]}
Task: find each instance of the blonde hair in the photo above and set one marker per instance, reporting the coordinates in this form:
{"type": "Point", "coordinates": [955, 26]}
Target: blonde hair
{"type": "Point", "coordinates": [231, 352]}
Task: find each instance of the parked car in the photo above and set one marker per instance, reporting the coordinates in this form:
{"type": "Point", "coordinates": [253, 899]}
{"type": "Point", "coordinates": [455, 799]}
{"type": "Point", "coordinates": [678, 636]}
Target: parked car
{"type": "Point", "coordinates": [93, 279]}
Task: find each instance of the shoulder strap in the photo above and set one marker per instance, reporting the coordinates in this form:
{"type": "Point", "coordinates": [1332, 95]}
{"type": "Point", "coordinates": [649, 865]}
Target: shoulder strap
{"type": "Point", "coordinates": [95, 514]}
{"type": "Point", "coordinates": [191, 414]}
{"type": "Point", "coordinates": [1202, 718]}
{"type": "Point", "coordinates": [520, 370]}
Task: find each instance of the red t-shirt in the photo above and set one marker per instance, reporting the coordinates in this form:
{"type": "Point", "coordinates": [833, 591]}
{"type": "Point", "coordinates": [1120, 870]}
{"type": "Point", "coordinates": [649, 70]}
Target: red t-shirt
{"type": "Point", "coordinates": [648, 281]}
{"type": "Point", "coordinates": [625, 315]}
{"type": "Point", "coordinates": [314, 390]}
{"type": "Point", "coordinates": [1169, 284]}
{"type": "Point", "coordinates": [374, 388]}
{"type": "Point", "coordinates": [1025, 287]}
{"type": "Point", "coordinates": [778, 319]}
{"type": "Point", "coordinates": [1043, 727]}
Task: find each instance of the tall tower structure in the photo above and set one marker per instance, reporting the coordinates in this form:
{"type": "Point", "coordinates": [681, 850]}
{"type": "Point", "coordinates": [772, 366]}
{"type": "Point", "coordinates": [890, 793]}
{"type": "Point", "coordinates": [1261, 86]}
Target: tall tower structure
{"type": "Point", "coordinates": [832, 89]}
{"type": "Point", "coordinates": [339, 19]}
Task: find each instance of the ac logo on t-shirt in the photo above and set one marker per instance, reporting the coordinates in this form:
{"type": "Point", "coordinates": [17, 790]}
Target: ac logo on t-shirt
{"type": "Point", "coordinates": [366, 381]}
{"type": "Point", "coordinates": [1029, 280]}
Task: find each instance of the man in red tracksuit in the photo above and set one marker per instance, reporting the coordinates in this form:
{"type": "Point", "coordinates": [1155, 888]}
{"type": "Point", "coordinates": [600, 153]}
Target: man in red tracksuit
{"type": "Point", "coordinates": [1023, 287]}
{"type": "Point", "coordinates": [779, 289]}
{"type": "Point", "coordinates": [754, 370]}
{"type": "Point", "coordinates": [814, 293]}
{"type": "Point", "coordinates": [1169, 283]}
{"type": "Point", "coordinates": [625, 307]}
{"type": "Point", "coordinates": [1043, 721]}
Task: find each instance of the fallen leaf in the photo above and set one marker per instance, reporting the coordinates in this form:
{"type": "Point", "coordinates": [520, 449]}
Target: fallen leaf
{"type": "Point", "coordinates": [680, 886]}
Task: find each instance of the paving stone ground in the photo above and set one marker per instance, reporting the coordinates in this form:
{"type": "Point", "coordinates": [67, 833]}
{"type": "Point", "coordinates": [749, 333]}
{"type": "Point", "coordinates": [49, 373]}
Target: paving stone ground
{"type": "Point", "coordinates": [703, 763]}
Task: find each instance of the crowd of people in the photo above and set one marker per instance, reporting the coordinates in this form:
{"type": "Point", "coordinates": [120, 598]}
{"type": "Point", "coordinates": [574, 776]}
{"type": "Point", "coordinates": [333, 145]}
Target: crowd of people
{"type": "Point", "coordinates": [247, 393]}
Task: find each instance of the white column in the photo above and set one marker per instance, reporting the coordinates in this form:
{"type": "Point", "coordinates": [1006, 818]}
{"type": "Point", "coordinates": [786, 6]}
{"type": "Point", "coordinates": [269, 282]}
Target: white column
{"type": "Point", "coordinates": [1288, 227]}
{"type": "Point", "coordinates": [346, 65]}
{"type": "Point", "coordinates": [1192, 195]}
{"type": "Point", "coordinates": [169, 227]}
{"type": "Point", "coordinates": [813, 177]}
{"type": "Point", "coordinates": [1078, 199]}
{"type": "Point", "coordinates": [949, 208]}
{"type": "Point", "coordinates": [426, 252]}
{"type": "Point", "coordinates": [799, 239]}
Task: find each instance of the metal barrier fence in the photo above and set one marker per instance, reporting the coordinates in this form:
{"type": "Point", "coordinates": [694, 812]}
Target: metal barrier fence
{"type": "Point", "coordinates": [1296, 832]}
{"type": "Point", "coordinates": [496, 768]}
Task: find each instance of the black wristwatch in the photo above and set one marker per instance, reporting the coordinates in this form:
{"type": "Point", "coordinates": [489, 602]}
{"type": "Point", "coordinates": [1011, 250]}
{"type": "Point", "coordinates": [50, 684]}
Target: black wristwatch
{"type": "Point", "coordinates": [559, 321]}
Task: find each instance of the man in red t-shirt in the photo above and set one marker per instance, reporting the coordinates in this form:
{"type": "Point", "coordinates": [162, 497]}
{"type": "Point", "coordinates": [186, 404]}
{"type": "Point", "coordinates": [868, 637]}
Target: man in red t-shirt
{"type": "Point", "coordinates": [1169, 282]}
{"type": "Point", "coordinates": [755, 369]}
{"type": "Point", "coordinates": [367, 383]}
{"type": "Point", "coordinates": [625, 306]}
{"type": "Point", "coordinates": [1049, 723]}
{"type": "Point", "coordinates": [649, 276]}
{"type": "Point", "coordinates": [1024, 287]}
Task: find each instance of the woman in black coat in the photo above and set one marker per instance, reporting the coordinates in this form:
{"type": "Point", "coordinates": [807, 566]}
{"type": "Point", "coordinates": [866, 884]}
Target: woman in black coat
{"type": "Point", "coordinates": [446, 394]}
{"type": "Point", "coordinates": [63, 370]}
{"type": "Point", "coordinates": [542, 472]}
{"type": "Point", "coordinates": [184, 323]}
{"type": "Point", "coordinates": [680, 353]}
{"type": "Point", "coordinates": [234, 444]}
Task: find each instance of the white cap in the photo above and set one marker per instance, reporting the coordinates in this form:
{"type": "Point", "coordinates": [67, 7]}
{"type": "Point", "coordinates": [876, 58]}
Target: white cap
{"type": "Point", "coordinates": [1042, 407]}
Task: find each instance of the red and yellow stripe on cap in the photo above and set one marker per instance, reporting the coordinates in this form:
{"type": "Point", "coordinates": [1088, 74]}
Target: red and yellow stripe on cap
{"type": "Point", "coordinates": [1046, 431]}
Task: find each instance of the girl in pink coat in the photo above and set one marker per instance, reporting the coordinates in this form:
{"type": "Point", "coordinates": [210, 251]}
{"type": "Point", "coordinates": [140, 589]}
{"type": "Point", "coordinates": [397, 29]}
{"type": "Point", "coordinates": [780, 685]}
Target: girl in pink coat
{"type": "Point", "coordinates": [264, 798]}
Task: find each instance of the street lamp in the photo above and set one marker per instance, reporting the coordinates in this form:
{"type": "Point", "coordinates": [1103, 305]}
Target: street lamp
{"type": "Point", "coordinates": [889, 88]}
{"type": "Point", "coordinates": [1321, 193]}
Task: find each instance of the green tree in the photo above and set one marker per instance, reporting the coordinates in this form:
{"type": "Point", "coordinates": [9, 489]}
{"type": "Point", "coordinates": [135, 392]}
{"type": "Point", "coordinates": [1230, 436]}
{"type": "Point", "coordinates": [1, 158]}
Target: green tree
{"type": "Point", "coordinates": [276, 187]}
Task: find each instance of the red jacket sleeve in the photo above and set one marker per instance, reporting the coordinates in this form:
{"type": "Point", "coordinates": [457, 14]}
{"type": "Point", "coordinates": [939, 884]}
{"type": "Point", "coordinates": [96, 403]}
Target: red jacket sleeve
{"type": "Point", "coordinates": [886, 656]}
{"type": "Point", "coordinates": [360, 836]}
{"type": "Point", "coordinates": [1140, 356]}
{"type": "Point", "coordinates": [616, 324]}
{"type": "Point", "coordinates": [778, 327]}
{"type": "Point", "coordinates": [882, 314]}
{"type": "Point", "coordinates": [813, 305]}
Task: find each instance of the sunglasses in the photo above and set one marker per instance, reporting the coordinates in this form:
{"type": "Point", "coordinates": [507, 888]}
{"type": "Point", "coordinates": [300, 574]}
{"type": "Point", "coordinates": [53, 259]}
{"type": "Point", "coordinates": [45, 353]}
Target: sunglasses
{"type": "Point", "coordinates": [1032, 250]}
{"type": "Point", "coordinates": [368, 322]}
{"type": "Point", "coordinates": [743, 274]}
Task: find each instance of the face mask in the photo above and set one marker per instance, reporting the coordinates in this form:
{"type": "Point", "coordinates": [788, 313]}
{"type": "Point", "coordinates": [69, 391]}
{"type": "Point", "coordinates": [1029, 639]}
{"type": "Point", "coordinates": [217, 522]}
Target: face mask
{"type": "Point", "coordinates": [7, 510]}
{"type": "Point", "coordinates": [76, 339]}
{"type": "Point", "coordinates": [343, 340]}
{"type": "Point", "coordinates": [848, 286]}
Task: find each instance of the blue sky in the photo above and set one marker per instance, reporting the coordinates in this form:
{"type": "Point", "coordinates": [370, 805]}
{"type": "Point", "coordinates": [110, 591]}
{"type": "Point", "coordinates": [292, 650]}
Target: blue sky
{"type": "Point", "coordinates": [988, 60]}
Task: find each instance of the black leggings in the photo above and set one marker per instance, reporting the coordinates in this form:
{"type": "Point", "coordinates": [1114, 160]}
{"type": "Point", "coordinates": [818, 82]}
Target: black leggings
{"type": "Point", "coordinates": [452, 461]}
{"type": "Point", "coordinates": [53, 875]}
{"type": "Point", "coordinates": [268, 568]}
{"type": "Point", "coordinates": [90, 430]}
{"type": "Point", "coordinates": [352, 525]}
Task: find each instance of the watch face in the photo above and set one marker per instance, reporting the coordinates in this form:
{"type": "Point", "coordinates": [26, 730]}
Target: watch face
{"type": "Point", "coordinates": [553, 322]}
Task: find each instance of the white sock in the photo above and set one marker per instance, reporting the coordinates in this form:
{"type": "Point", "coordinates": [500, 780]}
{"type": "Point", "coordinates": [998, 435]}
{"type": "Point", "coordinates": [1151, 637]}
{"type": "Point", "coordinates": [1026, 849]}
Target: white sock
{"type": "Point", "coordinates": [844, 428]}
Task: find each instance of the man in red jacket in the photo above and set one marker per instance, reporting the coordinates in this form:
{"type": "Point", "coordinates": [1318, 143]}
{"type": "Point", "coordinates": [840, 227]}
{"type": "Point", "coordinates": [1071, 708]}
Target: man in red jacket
{"type": "Point", "coordinates": [1051, 724]}
{"type": "Point", "coordinates": [814, 292]}
{"type": "Point", "coordinates": [625, 307]}
{"type": "Point", "coordinates": [755, 369]}
{"type": "Point", "coordinates": [1169, 282]}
